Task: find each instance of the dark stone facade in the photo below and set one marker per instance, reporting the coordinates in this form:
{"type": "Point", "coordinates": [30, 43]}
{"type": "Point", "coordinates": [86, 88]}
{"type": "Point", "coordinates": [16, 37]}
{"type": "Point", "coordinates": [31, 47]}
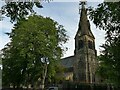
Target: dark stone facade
{"type": "Point", "coordinates": [84, 60]}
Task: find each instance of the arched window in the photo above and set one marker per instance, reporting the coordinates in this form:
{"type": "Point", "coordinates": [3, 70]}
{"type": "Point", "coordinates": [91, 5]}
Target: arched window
{"type": "Point", "coordinates": [90, 44]}
{"type": "Point", "coordinates": [80, 44]}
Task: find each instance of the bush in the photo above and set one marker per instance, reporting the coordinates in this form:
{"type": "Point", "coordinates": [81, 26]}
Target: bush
{"type": "Point", "coordinates": [83, 86]}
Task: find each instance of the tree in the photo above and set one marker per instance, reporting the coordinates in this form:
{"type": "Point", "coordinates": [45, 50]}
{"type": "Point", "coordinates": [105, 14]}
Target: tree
{"type": "Point", "coordinates": [18, 9]}
{"type": "Point", "coordinates": [106, 16]}
{"type": "Point", "coordinates": [34, 50]}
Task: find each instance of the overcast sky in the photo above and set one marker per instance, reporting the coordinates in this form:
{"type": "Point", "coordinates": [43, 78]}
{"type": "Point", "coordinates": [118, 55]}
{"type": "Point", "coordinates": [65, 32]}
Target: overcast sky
{"type": "Point", "coordinates": [66, 14]}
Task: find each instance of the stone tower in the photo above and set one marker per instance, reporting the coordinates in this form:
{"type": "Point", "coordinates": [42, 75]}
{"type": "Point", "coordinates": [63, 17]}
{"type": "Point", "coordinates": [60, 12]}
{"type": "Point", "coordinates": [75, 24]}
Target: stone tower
{"type": "Point", "coordinates": [85, 53]}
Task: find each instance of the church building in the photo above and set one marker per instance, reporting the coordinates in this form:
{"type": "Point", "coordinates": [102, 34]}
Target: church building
{"type": "Point", "coordinates": [82, 65]}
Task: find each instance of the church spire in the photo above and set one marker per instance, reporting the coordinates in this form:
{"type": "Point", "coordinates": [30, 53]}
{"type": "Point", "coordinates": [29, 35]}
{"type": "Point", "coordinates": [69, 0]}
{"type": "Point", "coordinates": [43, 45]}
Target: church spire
{"type": "Point", "coordinates": [85, 53]}
{"type": "Point", "coordinates": [84, 25]}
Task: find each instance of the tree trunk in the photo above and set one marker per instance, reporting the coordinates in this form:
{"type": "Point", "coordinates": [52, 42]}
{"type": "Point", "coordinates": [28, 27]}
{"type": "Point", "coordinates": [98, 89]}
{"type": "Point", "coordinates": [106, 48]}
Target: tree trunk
{"type": "Point", "coordinates": [42, 85]}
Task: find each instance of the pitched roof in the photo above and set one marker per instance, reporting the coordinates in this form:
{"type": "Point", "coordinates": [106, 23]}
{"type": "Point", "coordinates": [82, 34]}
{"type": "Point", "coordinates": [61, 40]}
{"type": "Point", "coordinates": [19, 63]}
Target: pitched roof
{"type": "Point", "coordinates": [68, 61]}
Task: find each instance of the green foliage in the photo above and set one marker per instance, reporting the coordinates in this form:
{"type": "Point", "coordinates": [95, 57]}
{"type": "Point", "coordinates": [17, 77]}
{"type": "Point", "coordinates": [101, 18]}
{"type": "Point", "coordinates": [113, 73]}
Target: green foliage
{"type": "Point", "coordinates": [107, 17]}
{"type": "Point", "coordinates": [110, 63]}
{"type": "Point", "coordinates": [58, 78]}
{"type": "Point", "coordinates": [85, 86]}
{"type": "Point", "coordinates": [31, 41]}
{"type": "Point", "coordinates": [19, 9]}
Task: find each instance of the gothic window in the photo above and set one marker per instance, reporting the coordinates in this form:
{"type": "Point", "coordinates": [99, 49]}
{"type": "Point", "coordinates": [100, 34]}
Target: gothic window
{"type": "Point", "coordinates": [80, 44]}
{"type": "Point", "coordinates": [90, 45]}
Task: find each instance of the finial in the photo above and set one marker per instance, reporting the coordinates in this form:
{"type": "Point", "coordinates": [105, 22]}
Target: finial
{"type": "Point", "coordinates": [82, 2]}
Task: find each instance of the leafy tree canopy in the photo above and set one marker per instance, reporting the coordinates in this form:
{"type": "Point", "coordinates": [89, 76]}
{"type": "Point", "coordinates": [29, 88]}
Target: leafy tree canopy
{"type": "Point", "coordinates": [107, 17]}
{"type": "Point", "coordinates": [35, 43]}
{"type": "Point", "coordinates": [19, 9]}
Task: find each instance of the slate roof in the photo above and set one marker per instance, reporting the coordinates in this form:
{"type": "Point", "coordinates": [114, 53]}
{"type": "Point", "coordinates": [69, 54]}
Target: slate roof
{"type": "Point", "coordinates": [68, 61]}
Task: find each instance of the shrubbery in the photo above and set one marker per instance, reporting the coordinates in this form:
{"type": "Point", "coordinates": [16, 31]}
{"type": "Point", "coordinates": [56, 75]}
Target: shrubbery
{"type": "Point", "coordinates": [83, 86]}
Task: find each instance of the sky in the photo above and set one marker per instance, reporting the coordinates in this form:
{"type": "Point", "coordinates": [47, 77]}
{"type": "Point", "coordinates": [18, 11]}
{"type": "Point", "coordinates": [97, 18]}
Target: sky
{"type": "Point", "coordinates": [65, 13]}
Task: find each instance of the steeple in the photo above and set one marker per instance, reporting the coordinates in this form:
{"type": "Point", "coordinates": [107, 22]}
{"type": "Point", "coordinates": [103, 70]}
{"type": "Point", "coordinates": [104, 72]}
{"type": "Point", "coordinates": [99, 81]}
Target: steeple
{"type": "Point", "coordinates": [84, 24]}
{"type": "Point", "coordinates": [85, 53]}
